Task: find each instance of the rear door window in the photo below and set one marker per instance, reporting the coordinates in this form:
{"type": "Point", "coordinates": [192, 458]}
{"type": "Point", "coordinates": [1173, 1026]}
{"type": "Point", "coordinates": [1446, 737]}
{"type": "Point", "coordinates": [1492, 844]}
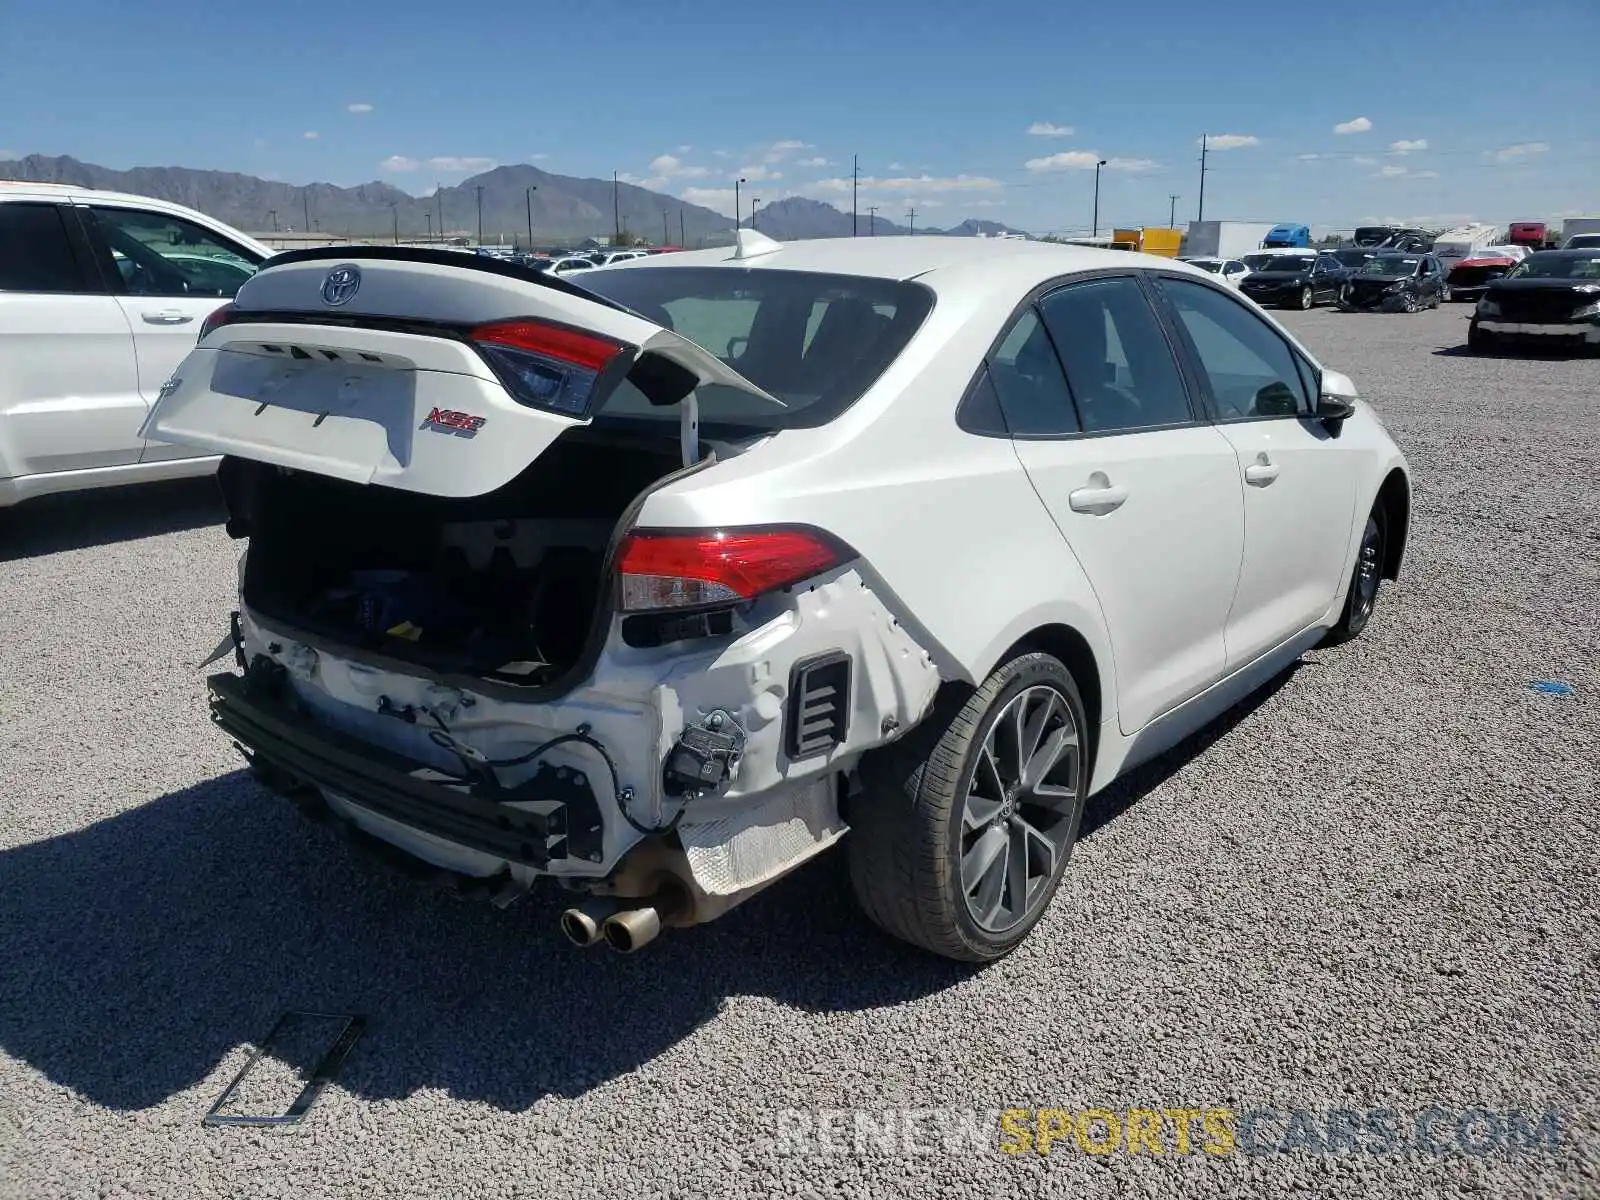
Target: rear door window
{"type": "Point", "coordinates": [1029, 382]}
{"type": "Point", "coordinates": [35, 252]}
{"type": "Point", "coordinates": [159, 255]}
{"type": "Point", "coordinates": [1118, 361]}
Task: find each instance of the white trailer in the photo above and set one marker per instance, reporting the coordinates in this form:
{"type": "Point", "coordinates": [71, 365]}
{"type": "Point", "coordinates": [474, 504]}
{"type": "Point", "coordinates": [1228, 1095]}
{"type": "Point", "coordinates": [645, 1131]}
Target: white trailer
{"type": "Point", "coordinates": [1573, 226]}
{"type": "Point", "coordinates": [1454, 245]}
{"type": "Point", "coordinates": [1224, 239]}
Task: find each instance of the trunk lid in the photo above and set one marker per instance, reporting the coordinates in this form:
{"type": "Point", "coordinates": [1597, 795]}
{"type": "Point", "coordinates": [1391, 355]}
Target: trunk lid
{"type": "Point", "coordinates": [431, 371]}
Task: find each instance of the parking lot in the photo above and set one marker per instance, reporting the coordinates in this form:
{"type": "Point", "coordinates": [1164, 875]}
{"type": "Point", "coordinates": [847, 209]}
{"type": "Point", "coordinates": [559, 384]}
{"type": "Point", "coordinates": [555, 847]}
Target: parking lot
{"type": "Point", "coordinates": [1371, 887]}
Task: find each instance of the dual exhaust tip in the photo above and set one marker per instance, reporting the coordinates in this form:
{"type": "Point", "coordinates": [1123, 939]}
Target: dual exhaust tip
{"type": "Point", "coordinates": [623, 929]}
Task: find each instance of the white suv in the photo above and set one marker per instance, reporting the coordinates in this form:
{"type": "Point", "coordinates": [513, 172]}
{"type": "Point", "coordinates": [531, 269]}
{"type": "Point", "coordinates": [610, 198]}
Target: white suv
{"type": "Point", "coordinates": [656, 584]}
{"type": "Point", "coordinates": [101, 296]}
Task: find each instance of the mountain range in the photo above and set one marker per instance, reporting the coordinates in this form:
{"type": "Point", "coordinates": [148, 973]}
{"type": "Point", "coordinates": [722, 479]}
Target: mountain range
{"type": "Point", "coordinates": [562, 208]}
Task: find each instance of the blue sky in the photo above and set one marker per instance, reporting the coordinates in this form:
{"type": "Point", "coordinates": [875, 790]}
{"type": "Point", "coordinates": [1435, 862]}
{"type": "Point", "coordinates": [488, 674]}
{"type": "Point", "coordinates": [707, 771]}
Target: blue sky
{"type": "Point", "coordinates": [1452, 110]}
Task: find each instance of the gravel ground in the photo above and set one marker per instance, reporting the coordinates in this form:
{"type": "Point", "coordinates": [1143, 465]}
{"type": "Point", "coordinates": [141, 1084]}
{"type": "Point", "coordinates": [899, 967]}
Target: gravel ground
{"type": "Point", "coordinates": [1373, 887]}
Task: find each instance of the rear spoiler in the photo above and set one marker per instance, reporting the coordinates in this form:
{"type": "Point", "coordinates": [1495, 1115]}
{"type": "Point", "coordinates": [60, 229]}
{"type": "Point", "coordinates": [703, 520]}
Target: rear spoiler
{"type": "Point", "coordinates": [443, 258]}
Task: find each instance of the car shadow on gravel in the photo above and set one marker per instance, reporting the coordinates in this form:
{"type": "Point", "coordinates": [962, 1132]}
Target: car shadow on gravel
{"type": "Point", "coordinates": [77, 520]}
{"type": "Point", "coordinates": [142, 950]}
{"type": "Point", "coordinates": [1536, 353]}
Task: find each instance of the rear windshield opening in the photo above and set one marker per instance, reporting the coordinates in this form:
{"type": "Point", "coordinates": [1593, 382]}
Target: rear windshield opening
{"type": "Point", "coordinates": [817, 342]}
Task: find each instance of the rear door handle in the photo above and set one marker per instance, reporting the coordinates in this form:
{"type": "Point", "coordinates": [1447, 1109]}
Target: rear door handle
{"type": "Point", "coordinates": [1099, 498]}
{"type": "Point", "coordinates": [167, 316]}
{"type": "Point", "coordinates": [1261, 472]}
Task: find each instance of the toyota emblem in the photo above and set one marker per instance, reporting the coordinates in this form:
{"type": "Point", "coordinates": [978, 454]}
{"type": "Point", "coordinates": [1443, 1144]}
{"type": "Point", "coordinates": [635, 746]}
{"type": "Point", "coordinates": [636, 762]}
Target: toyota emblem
{"type": "Point", "coordinates": [341, 285]}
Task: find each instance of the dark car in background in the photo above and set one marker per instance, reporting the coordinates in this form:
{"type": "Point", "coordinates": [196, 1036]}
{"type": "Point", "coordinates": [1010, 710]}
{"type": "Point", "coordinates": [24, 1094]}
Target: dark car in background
{"type": "Point", "coordinates": [1551, 299]}
{"type": "Point", "coordinates": [1392, 237]}
{"type": "Point", "coordinates": [1394, 282]}
{"type": "Point", "coordinates": [1294, 281]}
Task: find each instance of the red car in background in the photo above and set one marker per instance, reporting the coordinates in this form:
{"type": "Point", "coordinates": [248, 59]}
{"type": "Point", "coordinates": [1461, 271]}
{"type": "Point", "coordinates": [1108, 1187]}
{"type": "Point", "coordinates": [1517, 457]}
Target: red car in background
{"type": "Point", "coordinates": [1470, 277]}
{"type": "Point", "coordinates": [1532, 234]}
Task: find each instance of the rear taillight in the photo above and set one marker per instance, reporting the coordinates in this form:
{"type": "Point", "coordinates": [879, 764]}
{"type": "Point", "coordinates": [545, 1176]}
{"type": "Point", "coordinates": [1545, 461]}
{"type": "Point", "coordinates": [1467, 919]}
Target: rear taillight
{"type": "Point", "coordinates": [219, 317]}
{"type": "Point", "coordinates": [723, 566]}
{"type": "Point", "coordinates": [547, 366]}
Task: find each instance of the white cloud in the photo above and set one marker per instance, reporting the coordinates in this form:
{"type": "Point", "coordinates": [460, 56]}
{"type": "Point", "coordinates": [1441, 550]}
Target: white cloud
{"type": "Point", "coordinates": [1362, 160]}
{"type": "Point", "coordinates": [1046, 129]}
{"type": "Point", "coordinates": [983, 204]}
{"type": "Point", "coordinates": [894, 166]}
{"type": "Point", "coordinates": [717, 199]}
{"type": "Point", "coordinates": [1357, 125]}
{"type": "Point", "coordinates": [1229, 141]}
{"type": "Point", "coordinates": [311, 135]}
{"type": "Point", "coordinates": [684, 149]}
{"type": "Point", "coordinates": [9, 154]}
{"type": "Point", "coordinates": [446, 162]}
{"type": "Point", "coordinates": [721, 153]}
{"type": "Point", "coordinates": [537, 157]}
{"type": "Point", "coordinates": [1408, 146]}
{"type": "Point", "coordinates": [669, 166]}
{"type": "Point", "coordinates": [1391, 172]}
{"type": "Point", "coordinates": [779, 151]}
{"type": "Point", "coordinates": [757, 173]}
{"type": "Point", "coordinates": [914, 184]}
{"type": "Point", "coordinates": [1521, 150]}
{"type": "Point", "coordinates": [358, 108]}
{"type": "Point", "coordinates": [1308, 157]}
{"type": "Point", "coordinates": [453, 163]}
{"type": "Point", "coordinates": [1086, 160]}
{"type": "Point", "coordinates": [818, 161]}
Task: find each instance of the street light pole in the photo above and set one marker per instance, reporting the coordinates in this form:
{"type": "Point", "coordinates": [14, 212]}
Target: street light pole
{"type": "Point", "coordinates": [480, 214]}
{"type": "Point", "coordinates": [531, 191]}
{"type": "Point", "coordinates": [683, 237]}
{"type": "Point", "coordinates": [1097, 167]}
{"type": "Point", "coordinates": [394, 208]}
{"type": "Point", "coordinates": [1172, 213]}
{"type": "Point", "coordinates": [872, 220]}
{"type": "Point", "coordinates": [429, 218]}
{"type": "Point", "coordinates": [438, 194]}
{"type": "Point", "coordinates": [273, 213]}
{"type": "Point", "coordinates": [663, 227]}
{"type": "Point", "coordinates": [737, 211]}
{"type": "Point", "coordinates": [616, 211]}
{"type": "Point", "coordinates": [305, 196]}
{"type": "Point", "coordinates": [753, 203]}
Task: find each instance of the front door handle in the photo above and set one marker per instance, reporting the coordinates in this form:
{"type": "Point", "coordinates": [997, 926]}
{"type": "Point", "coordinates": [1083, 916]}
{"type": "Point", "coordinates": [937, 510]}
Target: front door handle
{"type": "Point", "coordinates": [167, 316]}
{"type": "Point", "coordinates": [1098, 498]}
{"type": "Point", "coordinates": [1261, 472]}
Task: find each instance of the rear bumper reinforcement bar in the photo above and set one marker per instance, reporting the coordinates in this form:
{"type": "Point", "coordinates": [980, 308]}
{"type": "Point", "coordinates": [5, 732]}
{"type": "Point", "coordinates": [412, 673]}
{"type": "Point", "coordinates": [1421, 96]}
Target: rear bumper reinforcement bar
{"type": "Point", "coordinates": [551, 816]}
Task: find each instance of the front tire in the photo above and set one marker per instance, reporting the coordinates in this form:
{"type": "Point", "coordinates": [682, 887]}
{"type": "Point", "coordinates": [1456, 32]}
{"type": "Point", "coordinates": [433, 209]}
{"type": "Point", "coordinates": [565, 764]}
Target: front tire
{"type": "Point", "coordinates": [1362, 595]}
{"type": "Point", "coordinates": [966, 824]}
{"type": "Point", "coordinates": [1306, 299]}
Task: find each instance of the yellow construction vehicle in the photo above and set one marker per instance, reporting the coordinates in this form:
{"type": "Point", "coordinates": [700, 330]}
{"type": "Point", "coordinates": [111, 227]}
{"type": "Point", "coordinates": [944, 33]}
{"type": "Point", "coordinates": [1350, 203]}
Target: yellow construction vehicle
{"type": "Point", "coordinates": [1164, 242]}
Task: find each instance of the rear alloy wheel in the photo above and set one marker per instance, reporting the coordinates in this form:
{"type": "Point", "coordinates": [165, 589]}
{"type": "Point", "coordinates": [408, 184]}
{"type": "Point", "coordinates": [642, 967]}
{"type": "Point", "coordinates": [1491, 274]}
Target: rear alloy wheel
{"type": "Point", "coordinates": [1306, 299]}
{"type": "Point", "coordinates": [966, 825]}
{"type": "Point", "coordinates": [1364, 581]}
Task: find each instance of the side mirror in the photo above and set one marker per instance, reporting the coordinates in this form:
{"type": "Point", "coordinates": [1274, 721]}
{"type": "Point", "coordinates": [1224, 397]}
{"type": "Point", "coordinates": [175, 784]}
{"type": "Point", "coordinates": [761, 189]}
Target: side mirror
{"type": "Point", "coordinates": [1335, 401]}
{"type": "Point", "coordinates": [1334, 409]}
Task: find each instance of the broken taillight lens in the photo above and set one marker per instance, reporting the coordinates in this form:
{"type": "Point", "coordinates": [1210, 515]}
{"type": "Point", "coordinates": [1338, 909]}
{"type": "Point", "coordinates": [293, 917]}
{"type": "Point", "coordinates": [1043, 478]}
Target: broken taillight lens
{"type": "Point", "coordinates": [546, 366]}
{"type": "Point", "coordinates": [666, 570]}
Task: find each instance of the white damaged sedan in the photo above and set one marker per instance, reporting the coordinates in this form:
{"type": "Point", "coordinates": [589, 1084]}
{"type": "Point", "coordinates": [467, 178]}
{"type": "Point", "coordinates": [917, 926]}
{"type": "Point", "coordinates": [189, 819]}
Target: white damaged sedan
{"type": "Point", "coordinates": [662, 585]}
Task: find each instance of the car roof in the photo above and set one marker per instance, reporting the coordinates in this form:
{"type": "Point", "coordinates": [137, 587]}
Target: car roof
{"type": "Point", "coordinates": [24, 189]}
{"type": "Point", "coordinates": [938, 260]}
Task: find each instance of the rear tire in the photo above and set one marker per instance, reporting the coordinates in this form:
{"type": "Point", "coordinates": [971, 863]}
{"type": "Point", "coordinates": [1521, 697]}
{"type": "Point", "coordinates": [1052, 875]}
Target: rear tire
{"type": "Point", "coordinates": [1362, 595]}
{"type": "Point", "coordinates": [967, 823]}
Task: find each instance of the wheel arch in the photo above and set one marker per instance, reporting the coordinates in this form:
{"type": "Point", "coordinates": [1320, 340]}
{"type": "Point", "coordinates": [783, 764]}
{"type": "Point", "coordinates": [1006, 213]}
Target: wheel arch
{"type": "Point", "coordinates": [1394, 498]}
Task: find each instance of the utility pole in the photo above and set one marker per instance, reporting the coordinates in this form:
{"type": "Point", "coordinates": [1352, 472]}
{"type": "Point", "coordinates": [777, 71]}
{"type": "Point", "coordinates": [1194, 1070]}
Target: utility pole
{"type": "Point", "coordinates": [855, 180]}
{"type": "Point", "coordinates": [394, 209]}
{"type": "Point", "coordinates": [429, 217]}
{"type": "Point", "coordinates": [1201, 214]}
{"type": "Point", "coordinates": [438, 194]}
{"type": "Point", "coordinates": [683, 236]}
{"type": "Point", "coordinates": [872, 220]}
{"type": "Point", "coordinates": [273, 213]}
{"type": "Point", "coordinates": [531, 191]}
{"type": "Point", "coordinates": [306, 197]}
{"type": "Point", "coordinates": [911, 217]}
{"type": "Point", "coordinates": [616, 211]}
{"type": "Point", "coordinates": [1172, 212]}
{"type": "Point", "coordinates": [480, 214]}
{"type": "Point", "coordinates": [754, 203]}
{"type": "Point", "coordinates": [1097, 167]}
{"type": "Point", "coordinates": [663, 227]}
{"type": "Point", "coordinates": [738, 213]}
